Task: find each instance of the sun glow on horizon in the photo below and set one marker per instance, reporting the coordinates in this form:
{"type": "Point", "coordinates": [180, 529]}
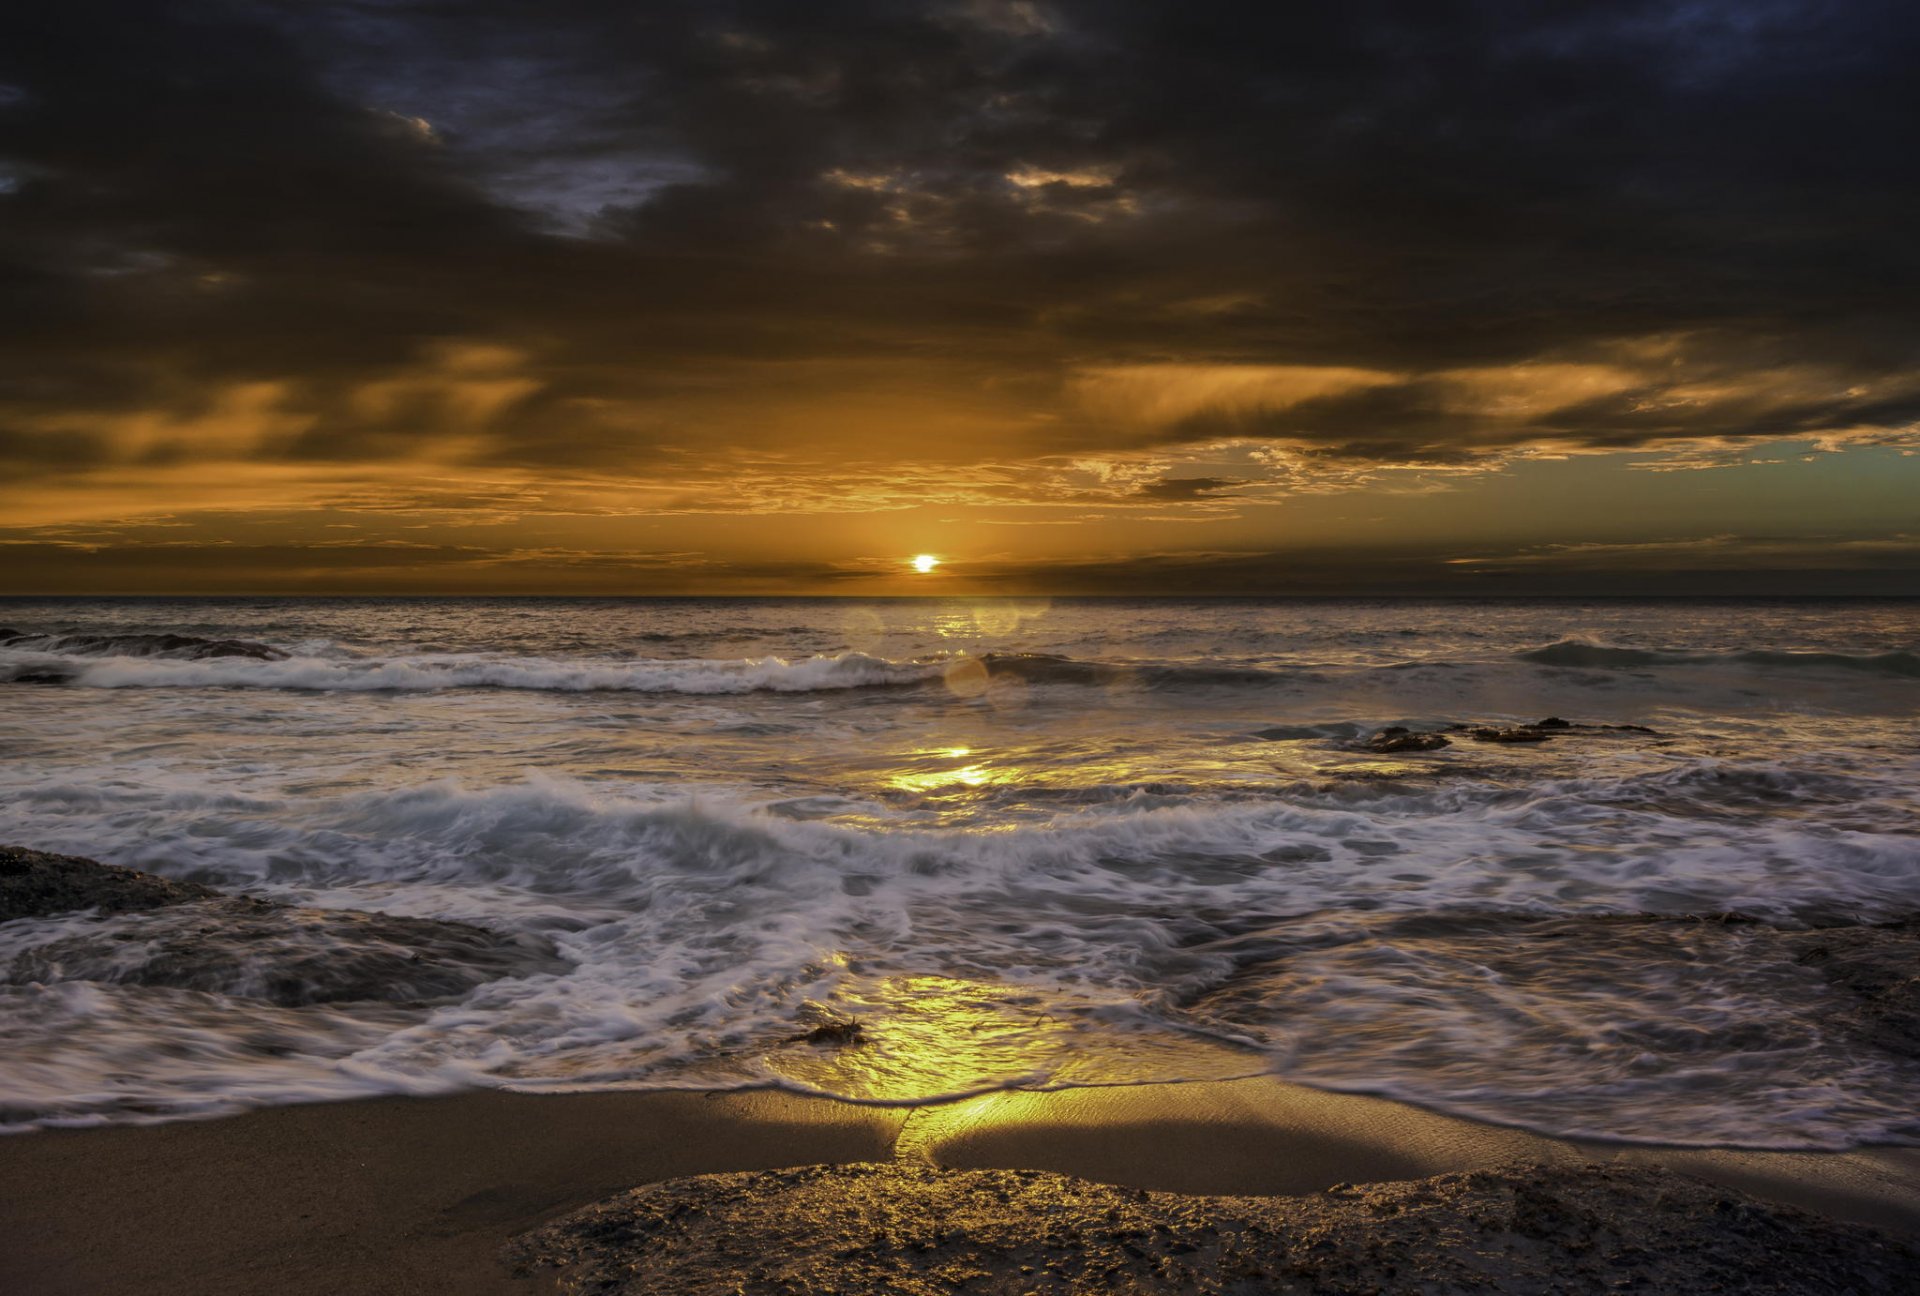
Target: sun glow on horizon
{"type": "Point", "coordinates": [924, 563]}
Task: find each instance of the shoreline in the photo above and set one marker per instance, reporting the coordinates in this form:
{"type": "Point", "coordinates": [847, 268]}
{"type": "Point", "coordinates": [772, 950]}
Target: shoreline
{"type": "Point", "coordinates": [420, 1195]}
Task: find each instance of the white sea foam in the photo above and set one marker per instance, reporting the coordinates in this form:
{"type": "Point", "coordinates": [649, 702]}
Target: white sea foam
{"type": "Point", "coordinates": [700, 929]}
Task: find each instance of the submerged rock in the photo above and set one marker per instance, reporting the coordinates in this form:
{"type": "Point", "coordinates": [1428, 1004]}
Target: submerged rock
{"type": "Point", "coordinates": [153, 931]}
{"type": "Point", "coordinates": [916, 1230]}
{"type": "Point", "coordinates": [1544, 730]}
{"type": "Point", "coordinates": [1878, 970]}
{"type": "Point", "coordinates": [1683, 1009]}
{"type": "Point", "coordinates": [1398, 738]}
{"type": "Point", "coordinates": [252, 949]}
{"type": "Point", "coordinates": [1394, 739]}
{"type": "Point", "coordinates": [1569, 726]}
{"type": "Point", "coordinates": [1512, 734]}
{"type": "Point", "coordinates": [36, 884]}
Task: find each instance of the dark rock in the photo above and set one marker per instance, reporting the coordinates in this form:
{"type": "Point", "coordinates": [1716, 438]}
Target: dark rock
{"type": "Point", "coordinates": [154, 931]}
{"type": "Point", "coordinates": [909, 1229]}
{"type": "Point", "coordinates": [1398, 738]}
{"type": "Point", "coordinates": [35, 884]}
{"type": "Point", "coordinates": [254, 949]}
{"type": "Point", "coordinates": [1516, 734]}
{"type": "Point", "coordinates": [1542, 730]}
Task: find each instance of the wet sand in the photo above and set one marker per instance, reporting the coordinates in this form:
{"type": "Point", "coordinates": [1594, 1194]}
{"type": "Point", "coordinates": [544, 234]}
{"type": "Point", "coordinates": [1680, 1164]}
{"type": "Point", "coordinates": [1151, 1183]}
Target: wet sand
{"type": "Point", "coordinates": [420, 1195]}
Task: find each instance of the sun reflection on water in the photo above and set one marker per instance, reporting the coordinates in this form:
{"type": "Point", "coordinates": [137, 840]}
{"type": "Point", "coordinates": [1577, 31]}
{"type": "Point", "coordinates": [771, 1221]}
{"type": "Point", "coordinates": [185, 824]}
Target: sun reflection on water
{"type": "Point", "coordinates": [989, 619]}
{"type": "Point", "coordinates": [974, 773]}
{"type": "Point", "coordinates": [925, 1036]}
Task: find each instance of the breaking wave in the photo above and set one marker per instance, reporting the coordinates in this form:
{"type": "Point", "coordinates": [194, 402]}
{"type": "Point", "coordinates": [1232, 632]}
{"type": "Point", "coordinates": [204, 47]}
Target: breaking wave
{"type": "Point", "coordinates": [180, 661]}
{"type": "Point", "coordinates": [1045, 668]}
{"type": "Point", "coordinates": [173, 646]}
{"type": "Point", "coordinates": [462, 671]}
{"type": "Point", "coordinates": [1586, 655]}
{"type": "Point", "coordinates": [1298, 931]}
{"type": "Point", "coordinates": [168, 660]}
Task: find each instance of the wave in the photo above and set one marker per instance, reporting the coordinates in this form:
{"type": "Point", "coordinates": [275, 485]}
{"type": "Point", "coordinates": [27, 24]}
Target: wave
{"type": "Point", "coordinates": [1587, 655]}
{"type": "Point", "coordinates": [1590, 845]}
{"type": "Point", "coordinates": [171, 646]}
{"type": "Point", "coordinates": [1048, 668]}
{"type": "Point", "coordinates": [178, 661]}
{"type": "Point", "coordinates": [1887, 663]}
{"type": "Point", "coordinates": [1340, 948]}
{"type": "Point", "coordinates": [165, 660]}
{"type": "Point", "coordinates": [463, 671]}
{"type": "Point", "coordinates": [1341, 944]}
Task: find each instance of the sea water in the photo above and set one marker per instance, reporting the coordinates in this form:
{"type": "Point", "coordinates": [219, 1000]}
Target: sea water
{"type": "Point", "coordinates": [1032, 843]}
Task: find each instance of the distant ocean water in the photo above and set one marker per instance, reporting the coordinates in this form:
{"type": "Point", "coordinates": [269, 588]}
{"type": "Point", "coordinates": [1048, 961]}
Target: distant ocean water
{"type": "Point", "coordinates": [1034, 843]}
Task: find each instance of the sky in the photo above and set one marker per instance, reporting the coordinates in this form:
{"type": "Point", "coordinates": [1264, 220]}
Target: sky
{"type": "Point", "coordinates": [711, 297]}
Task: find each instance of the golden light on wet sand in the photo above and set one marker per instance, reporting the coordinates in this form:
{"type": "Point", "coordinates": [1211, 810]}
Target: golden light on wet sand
{"type": "Point", "coordinates": [924, 563]}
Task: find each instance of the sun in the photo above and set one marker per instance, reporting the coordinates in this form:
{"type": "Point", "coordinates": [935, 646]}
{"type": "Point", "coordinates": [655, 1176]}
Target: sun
{"type": "Point", "coordinates": [924, 563]}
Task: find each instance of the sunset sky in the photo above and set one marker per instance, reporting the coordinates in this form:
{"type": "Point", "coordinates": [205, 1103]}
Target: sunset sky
{"type": "Point", "coordinates": [401, 296]}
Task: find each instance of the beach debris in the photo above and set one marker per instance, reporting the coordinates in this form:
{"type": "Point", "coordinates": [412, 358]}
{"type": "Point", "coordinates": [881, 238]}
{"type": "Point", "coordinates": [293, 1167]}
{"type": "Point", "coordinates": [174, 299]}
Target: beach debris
{"type": "Point", "coordinates": [914, 1229]}
{"type": "Point", "coordinates": [832, 1031]}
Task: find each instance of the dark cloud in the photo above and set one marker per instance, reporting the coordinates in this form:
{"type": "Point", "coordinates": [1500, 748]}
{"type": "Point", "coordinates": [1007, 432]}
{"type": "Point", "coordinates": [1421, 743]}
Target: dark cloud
{"type": "Point", "coordinates": [1699, 566]}
{"type": "Point", "coordinates": [110, 565]}
{"type": "Point", "coordinates": [1187, 488]}
{"type": "Point", "coordinates": [1840, 566]}
{"type": "Point", "coordinates": [596, 236]}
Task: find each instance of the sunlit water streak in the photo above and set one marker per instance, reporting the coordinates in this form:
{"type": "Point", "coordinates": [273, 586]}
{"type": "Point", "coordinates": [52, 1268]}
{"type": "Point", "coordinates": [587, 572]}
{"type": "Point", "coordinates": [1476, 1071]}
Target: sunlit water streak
{"type": "Point", "coordinates": [1022, 843]}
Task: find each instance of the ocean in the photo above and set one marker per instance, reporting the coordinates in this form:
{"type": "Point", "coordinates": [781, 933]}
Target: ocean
{"type": "Point", "coordinates": [905, 850]}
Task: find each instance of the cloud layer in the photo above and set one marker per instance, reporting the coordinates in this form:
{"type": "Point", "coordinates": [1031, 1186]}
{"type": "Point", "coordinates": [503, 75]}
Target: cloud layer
{"type": "Point", "coordinates": [419, 263]}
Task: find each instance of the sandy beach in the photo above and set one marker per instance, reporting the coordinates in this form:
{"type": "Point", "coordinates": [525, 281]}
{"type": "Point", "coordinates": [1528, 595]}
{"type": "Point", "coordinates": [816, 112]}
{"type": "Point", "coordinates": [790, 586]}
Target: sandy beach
{"type": "Point", "coordinates": [421, 1195]}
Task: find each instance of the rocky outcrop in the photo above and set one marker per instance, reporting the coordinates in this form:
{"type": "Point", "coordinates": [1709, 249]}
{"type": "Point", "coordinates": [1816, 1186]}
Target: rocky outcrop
{"type": "Point", "coordinates": [1398, 738]}
{"type": "Point", "coordinates": [35, 884]}
{"type": "Point", "coordinates": [916, 1230]}
{"type": "Point", "coordinates": [1508, 734]}
{"type": "Point", "coordinates": [291, 956]}
{"type": "Point", "coordinates": [135, 928]}
{"type": "Point", "coordinates": [1395, 739]}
